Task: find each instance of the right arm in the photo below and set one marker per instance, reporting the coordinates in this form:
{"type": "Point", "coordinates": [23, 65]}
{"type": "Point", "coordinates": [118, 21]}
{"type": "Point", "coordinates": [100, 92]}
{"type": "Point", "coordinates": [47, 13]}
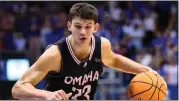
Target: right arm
{"type": "Point", "coordinates": [24, 87]}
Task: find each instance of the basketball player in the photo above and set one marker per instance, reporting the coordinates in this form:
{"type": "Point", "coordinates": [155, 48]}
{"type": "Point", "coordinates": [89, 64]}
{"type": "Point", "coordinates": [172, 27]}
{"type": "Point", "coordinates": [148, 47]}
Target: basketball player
{"type": "Point", "coordinates": [72, 66]}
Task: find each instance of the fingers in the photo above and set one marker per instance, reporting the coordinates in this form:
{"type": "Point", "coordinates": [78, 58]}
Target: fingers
{"type": "Point", "coordinates": [153, 71]}
{"type": "Point", "coordinates": [64, 95]}
{"type": "Point", "coordinates": [54, 98]}
{"type": "Point", "coordinates": [69, 95]}
{"type": "Point", "coordinates": [49, 99]}
{"type": "Point", "coordinates": [58, 97]}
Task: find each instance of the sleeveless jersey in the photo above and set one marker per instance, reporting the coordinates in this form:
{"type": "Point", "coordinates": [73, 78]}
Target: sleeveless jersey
{"type": "Point", "coordinates": [79, 78]}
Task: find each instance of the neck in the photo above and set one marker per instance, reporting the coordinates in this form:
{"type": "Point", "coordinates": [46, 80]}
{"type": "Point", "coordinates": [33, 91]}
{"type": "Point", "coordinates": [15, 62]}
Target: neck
{"type": "Point", "coordinates": [81, 51]}
{"type": "Point", "coordinates": [79, 46]}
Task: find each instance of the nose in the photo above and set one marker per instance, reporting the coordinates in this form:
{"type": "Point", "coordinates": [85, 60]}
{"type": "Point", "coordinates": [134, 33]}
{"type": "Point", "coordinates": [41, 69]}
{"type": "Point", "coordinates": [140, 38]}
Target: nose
{"type": "Point", "coordinates": [83, 31]}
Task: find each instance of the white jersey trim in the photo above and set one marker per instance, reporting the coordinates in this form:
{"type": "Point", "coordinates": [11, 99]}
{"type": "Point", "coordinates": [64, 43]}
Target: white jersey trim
{"type": "Point", "coordinates": [72, 53]}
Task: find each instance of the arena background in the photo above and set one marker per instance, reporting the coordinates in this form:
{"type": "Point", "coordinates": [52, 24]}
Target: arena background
{"type": "Point", "coordinates": [144, 31]}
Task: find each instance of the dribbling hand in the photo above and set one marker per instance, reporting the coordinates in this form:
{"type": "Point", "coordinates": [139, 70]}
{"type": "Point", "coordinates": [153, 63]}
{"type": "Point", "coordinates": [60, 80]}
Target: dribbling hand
{"type": "Point", "coordinates": [58, 95]}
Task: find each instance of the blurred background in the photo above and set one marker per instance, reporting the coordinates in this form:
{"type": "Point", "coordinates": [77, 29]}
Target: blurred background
{"type": "Point", "coordinates": [144, 31]}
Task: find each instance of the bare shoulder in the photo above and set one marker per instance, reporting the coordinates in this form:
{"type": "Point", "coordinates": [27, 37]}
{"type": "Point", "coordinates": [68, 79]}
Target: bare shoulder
{"type": "Point", "coordinates": [53, 51]}
{"type": "Point", "coordinates": [108, 56]}
{"type": "Point", "coordinates": [105, 43]}
{"type": "Point", "coordinates": [52, 56]}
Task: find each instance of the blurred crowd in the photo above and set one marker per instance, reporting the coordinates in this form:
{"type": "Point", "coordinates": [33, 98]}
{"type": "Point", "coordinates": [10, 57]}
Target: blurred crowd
{"type": "Point", "coordinates": [144, 31]}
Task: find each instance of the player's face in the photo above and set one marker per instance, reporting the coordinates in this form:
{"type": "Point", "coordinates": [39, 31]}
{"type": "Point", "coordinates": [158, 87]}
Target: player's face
{"type": "Point", "coordinates": [82, 30]}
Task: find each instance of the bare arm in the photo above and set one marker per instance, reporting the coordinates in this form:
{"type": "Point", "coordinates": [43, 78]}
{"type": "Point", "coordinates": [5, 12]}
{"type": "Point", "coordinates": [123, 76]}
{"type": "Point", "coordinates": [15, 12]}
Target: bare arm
{"type": "Point", "coordinates": [24, 88]}
{"type": "Point", "coordinates": [119, 62]}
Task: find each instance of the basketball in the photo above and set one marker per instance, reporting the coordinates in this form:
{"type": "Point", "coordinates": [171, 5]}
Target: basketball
{"type": "Point", "coordinates": [147, 86]}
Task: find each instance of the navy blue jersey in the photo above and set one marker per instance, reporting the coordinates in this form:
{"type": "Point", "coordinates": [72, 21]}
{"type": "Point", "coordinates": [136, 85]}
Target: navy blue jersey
{"type": "Point", "coordinates": [79, 78]}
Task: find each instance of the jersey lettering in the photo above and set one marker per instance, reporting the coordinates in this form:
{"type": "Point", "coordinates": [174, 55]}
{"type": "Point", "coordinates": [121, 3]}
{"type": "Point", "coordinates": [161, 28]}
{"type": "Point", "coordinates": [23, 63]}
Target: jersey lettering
{"type": "Point", "coordinates": [85, 91]}
{"type": "Point", "coordinates": [82, 79]}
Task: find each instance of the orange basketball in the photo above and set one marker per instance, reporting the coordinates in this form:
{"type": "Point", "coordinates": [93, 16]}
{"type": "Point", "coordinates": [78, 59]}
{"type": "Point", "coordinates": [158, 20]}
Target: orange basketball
{"type": "Point", "coordinates": [147, 86]}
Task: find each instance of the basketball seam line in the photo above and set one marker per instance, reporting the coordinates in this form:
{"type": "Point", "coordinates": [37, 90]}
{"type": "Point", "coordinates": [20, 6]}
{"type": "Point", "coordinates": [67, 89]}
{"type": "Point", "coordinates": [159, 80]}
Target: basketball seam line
{"type": "Point", "coordinates": [155, 87]}
{"type": "Point", "coordinates": [152, 83]}
{"type": "Point", "coordinates": [149, 84]}
{"type": "Point", "coordinates": [145, 90]}
{"type": "Point", "coordinates": [141, 92]}
{"type": "Point", "coordinates": [160, 90]}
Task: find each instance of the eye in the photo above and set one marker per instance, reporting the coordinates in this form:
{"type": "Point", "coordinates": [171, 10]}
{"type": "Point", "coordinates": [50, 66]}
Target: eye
{"type": "Point", "coordinates": [88, 27]}
{"type": "Point", "coordinates": [77, 26]}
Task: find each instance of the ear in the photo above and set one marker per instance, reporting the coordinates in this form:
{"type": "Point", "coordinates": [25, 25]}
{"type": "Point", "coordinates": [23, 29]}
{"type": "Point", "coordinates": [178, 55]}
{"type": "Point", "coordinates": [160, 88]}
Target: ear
{"type": "Point", "coordinates": [96, 27]}
{"type": "Point", "coordinates": [69, 25]}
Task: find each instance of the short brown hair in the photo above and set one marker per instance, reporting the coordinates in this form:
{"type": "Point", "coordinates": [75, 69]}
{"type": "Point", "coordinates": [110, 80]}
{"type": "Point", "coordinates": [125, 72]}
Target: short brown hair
{"type": "Point", "coordinates": [84, 11]}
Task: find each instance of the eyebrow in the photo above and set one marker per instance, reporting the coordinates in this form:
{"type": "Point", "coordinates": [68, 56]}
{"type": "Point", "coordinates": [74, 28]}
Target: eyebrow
{"type": "Point", "coordinates": [80, 24]}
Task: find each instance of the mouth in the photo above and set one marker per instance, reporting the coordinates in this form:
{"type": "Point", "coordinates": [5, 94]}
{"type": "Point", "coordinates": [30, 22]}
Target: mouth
{"type": "Point", "coordinates": [83, 39]}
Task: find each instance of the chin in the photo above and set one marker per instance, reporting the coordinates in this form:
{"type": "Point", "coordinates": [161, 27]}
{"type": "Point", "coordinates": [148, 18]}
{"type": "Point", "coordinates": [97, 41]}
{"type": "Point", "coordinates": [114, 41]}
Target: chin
{"type": "Point", "coordinates": [84, 41]}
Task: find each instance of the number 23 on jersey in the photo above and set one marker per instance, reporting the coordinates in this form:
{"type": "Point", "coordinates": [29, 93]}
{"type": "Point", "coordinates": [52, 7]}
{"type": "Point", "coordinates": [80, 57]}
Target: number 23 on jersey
{"type": "Point", "coordinates": [85, 91]}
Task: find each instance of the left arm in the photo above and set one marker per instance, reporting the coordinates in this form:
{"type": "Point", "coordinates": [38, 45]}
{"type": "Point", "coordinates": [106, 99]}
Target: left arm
{"type": "Point", "coordinates": [119, 62]}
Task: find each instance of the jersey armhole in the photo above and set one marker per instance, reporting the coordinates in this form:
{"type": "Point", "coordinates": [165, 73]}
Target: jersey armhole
{"type": "Point", "coordinates": [48, 46]}
{"type": "Point", "coordinates": [60, 71]}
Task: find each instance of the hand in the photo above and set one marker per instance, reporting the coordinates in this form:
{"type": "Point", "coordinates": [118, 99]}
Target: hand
{"type": "Point", "coordinates": [58, 95]}
{"type": "Point", "coordinates": [153, 71]}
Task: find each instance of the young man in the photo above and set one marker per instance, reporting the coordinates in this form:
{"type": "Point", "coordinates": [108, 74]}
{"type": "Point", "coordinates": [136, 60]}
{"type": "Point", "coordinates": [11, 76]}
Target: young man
{"type": "Point", "coordinates": [73, 65]}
